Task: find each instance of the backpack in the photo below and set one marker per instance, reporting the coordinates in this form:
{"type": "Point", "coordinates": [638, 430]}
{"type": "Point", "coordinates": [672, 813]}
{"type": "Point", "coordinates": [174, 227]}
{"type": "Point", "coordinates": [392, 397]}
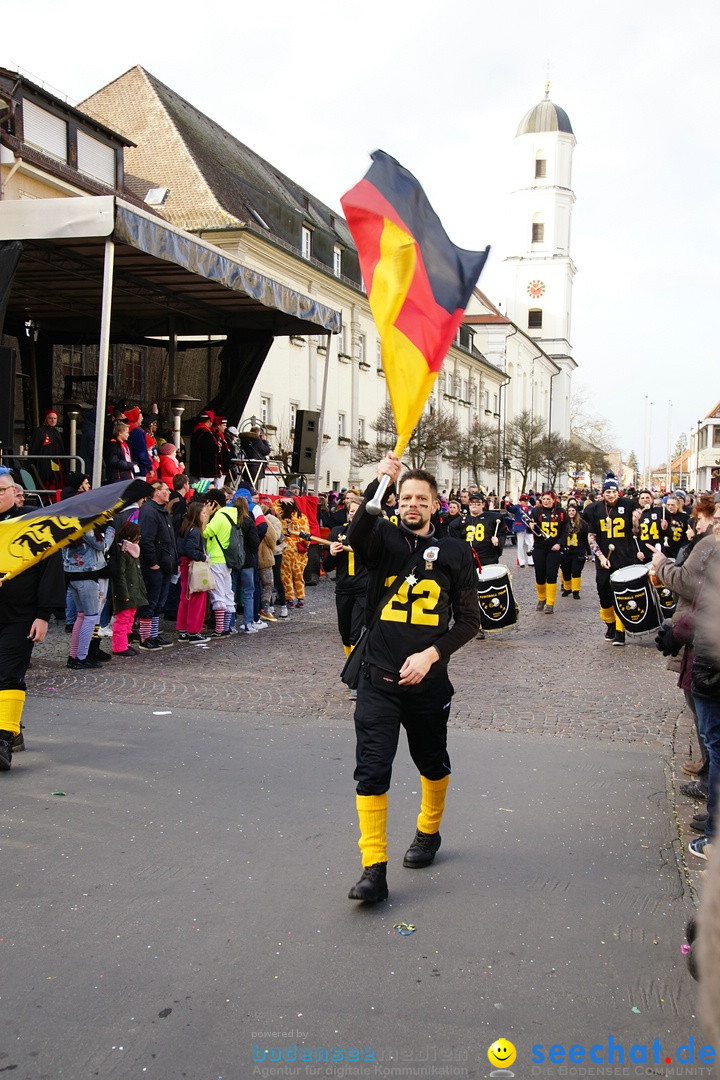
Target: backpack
{"type": "Point", "coordinates": [235, 551]}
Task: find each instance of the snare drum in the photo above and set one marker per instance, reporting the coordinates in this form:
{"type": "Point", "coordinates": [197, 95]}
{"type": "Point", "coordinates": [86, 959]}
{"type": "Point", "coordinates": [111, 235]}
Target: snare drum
{"type": "Point", "coordinates": [635, 600]}
{"type": "Point", "coordinates": [498, 610]}
{"type": "Point", "coordinates": [666, 597]}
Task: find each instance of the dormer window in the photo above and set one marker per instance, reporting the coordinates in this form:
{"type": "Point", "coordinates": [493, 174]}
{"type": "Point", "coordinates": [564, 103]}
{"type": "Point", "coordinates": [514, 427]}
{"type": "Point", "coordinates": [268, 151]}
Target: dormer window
{"type": "Point", "coordinates": [45, 131]}
{"type": "Point", "coordinates": [306, 242]}
{"type": "Point", "coordinates": [96, 158]}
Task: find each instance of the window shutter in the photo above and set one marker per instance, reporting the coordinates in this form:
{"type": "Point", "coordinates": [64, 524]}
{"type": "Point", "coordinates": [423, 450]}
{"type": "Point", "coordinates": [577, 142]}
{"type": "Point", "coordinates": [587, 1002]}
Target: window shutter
{"type": "Point", "coordinates": [45, 131]}
{"type": "Point", "coordinates": [96, 158]}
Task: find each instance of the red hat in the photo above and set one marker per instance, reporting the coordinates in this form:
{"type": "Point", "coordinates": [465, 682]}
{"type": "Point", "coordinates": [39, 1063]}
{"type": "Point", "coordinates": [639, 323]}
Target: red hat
{"type": "Point", "coordinates": [524, 498]}
{"type": "Point", "coordinates": [52, 410]}
{"type": "Point", "coordinates": [132, 415]}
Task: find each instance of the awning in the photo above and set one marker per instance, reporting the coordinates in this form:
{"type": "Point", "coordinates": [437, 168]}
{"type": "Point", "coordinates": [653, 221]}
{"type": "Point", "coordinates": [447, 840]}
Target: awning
{"type": "Point", "coordinates": [159, 271]}
{"type": "Point", "coordinates": [100, 269]}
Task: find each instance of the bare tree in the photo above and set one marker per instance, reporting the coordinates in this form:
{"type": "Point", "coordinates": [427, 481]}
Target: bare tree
{"type": "Point", "coordinates": [556, 457]}
{"type": "Point", "coordinates": [523, 445]}
{"type": "Point", "coordinates": [585, 425]}
{"type": "Point", "coordinates": [436, 433]}
{"type": "Point", "coordinates": [475, 451]}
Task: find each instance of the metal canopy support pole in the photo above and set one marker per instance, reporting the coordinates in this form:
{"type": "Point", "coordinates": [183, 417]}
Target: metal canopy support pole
{"type": "Point", "coordinates": [103, 360]}
{"type": "Point", "coordinates": [172, 346]}
{"type": "Point", "coordinates": [321, 419]}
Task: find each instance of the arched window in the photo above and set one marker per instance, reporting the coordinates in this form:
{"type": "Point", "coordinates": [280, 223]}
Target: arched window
{"type": "Point", "coordinates": [535, 319]}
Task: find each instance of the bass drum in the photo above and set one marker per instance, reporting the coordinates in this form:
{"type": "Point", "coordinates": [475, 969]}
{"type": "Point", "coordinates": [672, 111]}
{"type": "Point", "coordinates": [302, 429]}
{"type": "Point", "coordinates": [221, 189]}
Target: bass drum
{"type": "Point", "coordinates": [498, 610]}
{"type": "Point", "coordinates": [635, 599]}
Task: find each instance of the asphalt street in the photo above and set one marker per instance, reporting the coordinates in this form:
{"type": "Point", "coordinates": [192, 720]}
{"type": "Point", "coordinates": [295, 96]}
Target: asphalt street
{"type": "Point", "coordinates": [178, 840]}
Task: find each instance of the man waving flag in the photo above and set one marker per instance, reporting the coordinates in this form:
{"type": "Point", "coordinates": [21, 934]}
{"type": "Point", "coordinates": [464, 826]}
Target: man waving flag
{"type": "Point", "coordinates": [418, 283]}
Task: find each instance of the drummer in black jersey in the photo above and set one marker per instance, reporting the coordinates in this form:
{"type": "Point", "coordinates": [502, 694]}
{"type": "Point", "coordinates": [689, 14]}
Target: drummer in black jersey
{"type": "Point", "coordinates": [673, 526]}
{"type": "Point", "coordinates": [610, 536]}
{"type": "Point", "coordinates": [350, 580]}
{"type": "Point", "coordinates": [404, 681]}
{"type": "Point", "coordinates": [575, 551]}
{"type": "Point", "coordinates": [549, 526]}
{"type": "Point", "coordinates": [483, 529]}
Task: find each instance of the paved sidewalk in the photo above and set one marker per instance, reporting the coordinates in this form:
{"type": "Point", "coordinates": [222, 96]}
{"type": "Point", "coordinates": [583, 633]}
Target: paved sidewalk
{"type": "Point", "coordinates": [181, 911]}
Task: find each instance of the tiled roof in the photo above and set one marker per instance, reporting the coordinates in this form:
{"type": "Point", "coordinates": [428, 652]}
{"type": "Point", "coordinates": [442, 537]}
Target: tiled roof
{"type": "Point", "coordinates": [214, 180]}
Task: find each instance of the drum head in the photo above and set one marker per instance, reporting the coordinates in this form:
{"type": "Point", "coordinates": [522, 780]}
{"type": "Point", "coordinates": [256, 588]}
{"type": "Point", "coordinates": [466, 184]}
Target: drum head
{"type": "Point", "coordinates": [492, 573]}
{"type": "Point", "coordinates": [629, 573]}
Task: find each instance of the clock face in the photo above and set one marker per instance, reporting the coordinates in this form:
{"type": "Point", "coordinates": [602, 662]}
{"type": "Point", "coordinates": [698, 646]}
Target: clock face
{"type": "Point", "coordinates": [536, 288]}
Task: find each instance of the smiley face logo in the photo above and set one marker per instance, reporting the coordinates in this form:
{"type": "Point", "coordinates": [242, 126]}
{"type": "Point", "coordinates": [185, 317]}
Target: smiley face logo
{"type": "Point", "coordinates": [501, 1054]}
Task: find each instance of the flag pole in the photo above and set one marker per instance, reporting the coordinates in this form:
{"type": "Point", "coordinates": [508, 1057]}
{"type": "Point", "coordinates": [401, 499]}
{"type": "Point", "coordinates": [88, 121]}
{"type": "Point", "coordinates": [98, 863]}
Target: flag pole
{"type": "Point", "coordinates": [374, 507]}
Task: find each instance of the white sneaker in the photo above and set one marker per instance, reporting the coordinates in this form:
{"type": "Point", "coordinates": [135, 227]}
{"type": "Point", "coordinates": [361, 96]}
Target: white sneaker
{"type": "Point", "coordinates": [259, 625]}
{"type": "Point", "coordinates": [283, 612]}
{"type": "Point", "coordinates": [247, 629]}
{"type": "Point", "coordinates": [105, 631]}
{"type": "Point", "coordinates": [271, 609]}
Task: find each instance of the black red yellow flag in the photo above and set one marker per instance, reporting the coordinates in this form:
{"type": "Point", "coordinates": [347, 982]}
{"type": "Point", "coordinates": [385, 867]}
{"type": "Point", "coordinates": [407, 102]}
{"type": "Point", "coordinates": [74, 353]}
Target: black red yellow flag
{"type": "Point", "coordinates": [418, 283]}
{"type": "Point", "coordinates": [28, 539]}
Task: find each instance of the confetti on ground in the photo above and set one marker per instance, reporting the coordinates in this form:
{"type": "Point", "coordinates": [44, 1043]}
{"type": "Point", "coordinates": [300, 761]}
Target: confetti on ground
{"type": "Point", "coordinates": [404, 928]}
{"type": "Point", "coordinates": [635, 1009]}
{"type": "Point", "coordinates": [685, 949]}
{"type": "Point", "coordinates": [57, 792]}
{"type": "Point", "coordinates": [162, 712]}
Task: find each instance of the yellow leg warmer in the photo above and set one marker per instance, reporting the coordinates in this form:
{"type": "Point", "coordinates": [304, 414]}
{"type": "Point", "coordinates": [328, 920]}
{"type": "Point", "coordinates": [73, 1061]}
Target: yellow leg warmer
{"type": "Point", "coordinates": [372, 816]}
{"type": "Point", "coordinates": [432, 804]}
{"type": "Point", "coordinates": [540, 592]}
{"type": "Point", "coordinates": [576, 584]}
{"type": "Point", "coordinates": [550, 594]}
{"type": "Point", "coordinates": [607, 614]}
{"type": "Point", "coordinates": [11, 707]}
{"type": "Point", "coordinates": [565, 582]}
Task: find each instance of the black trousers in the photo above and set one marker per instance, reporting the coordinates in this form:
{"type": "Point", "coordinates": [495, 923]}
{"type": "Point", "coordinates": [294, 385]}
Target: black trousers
{"type": "Point", "coordinates": [350, 615]}
{"type": "Point", "coordinates": [422, 710]}
{"type": "Point", "coordinates": [15, 653]}
{"type": "Point", "coordinates": [604, 589]}
{"type": "Point", "coordinates": [547, 564]}
{"type": "Point", "coordinates": [572, 564]}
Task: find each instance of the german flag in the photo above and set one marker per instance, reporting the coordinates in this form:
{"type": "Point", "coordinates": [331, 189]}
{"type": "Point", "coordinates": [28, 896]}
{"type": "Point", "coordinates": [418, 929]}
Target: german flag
{"type": "Point", "coordinates": [418, 283]}
{"type": "Point", "coordinates": [27, 539]}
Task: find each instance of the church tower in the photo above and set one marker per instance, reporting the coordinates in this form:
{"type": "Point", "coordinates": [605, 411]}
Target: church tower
{"type": "Point", "coordinates": [540, 274]}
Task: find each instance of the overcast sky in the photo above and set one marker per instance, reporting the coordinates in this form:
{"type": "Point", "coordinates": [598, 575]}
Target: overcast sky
{"type": "Point", "coordinates": [315, 87]}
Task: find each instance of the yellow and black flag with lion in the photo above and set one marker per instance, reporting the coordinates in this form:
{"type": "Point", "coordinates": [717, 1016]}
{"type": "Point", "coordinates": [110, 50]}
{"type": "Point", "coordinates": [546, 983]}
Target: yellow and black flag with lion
{"type": "Point", "coordinates": [26, 540]}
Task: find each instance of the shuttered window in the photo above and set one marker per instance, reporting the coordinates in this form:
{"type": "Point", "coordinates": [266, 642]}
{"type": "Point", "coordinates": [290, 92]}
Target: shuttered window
{"type": "Point", "coordinates": [96, 158]}
{"type": "Point", "coordinates": [45, 131]}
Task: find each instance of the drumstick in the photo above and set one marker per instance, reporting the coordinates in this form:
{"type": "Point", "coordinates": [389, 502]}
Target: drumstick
{"type": "Point", "coordinates": [316, 539]}
{"type": "Point", "coordinates": [611, 548]}
{"type": "Point", "coordinates": [497, 526]}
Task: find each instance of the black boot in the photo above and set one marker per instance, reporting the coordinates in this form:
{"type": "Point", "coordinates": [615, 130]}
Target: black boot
{"type": "Point", "coordinates": [6, 749]}
{"type": "Point", "coordinates": [19, 741]}
{"type": "Point", "coordinates": [372, 886]}
{"type": "Point", "coordinates": [422, 850]}
{"type": "Point", "coordinates": [95, 652]}
{"type": "Point", "coordinates": [610, 632]}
